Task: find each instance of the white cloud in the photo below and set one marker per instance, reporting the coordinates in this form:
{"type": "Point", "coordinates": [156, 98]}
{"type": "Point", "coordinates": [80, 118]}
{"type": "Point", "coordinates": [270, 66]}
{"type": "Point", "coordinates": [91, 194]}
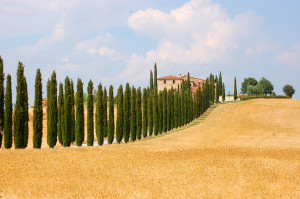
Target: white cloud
{"type": "Point", "coordinates": [291, 58]}
{"type": "Point", "coordinates": [94, 43]}
{"type": "Point", "coordinates": [69, 67]}
{"type": "Point", "coordinates": [199, 32]}
{"type": "Point", "coordinates": [65, 59]}
{"type": "Point", "coordinates": [58, 34]}
{"type": "Point", "coordinates": [261, 47]}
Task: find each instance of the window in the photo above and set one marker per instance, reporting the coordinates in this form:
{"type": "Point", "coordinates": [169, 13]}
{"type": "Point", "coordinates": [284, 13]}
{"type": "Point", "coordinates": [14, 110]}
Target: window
{"type": "Point", "coordinates": [173, 81]}
{"type": "Point", "coordinates": [164, 81]}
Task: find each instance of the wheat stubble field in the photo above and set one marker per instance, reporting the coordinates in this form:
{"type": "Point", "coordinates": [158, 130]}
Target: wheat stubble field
{"type": "Point", "coordinates": [242, 150]}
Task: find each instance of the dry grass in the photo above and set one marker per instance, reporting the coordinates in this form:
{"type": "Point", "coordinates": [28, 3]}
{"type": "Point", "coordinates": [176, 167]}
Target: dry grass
{"type": "Point", "coordinates": [242, 150]}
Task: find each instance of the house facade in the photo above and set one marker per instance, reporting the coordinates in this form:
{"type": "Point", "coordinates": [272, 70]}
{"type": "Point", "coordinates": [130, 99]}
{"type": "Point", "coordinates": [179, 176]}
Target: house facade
{"type": "Point", "coordinates": [172, 81]}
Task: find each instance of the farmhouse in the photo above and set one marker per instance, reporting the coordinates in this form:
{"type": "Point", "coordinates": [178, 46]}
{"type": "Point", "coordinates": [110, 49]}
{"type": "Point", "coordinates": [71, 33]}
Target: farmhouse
{"type": "Point", "coordinates": [172, 81]}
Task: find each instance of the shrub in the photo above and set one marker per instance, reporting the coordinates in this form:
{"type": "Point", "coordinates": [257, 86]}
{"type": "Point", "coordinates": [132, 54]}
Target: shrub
{"type": "Point", "coordinates": [289, 90]}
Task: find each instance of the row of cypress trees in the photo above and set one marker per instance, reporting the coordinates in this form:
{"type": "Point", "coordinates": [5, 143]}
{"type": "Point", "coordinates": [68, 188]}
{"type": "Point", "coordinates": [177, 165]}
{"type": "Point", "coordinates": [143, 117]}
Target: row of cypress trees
{"type": "Point", "coordinates": [139, 114]}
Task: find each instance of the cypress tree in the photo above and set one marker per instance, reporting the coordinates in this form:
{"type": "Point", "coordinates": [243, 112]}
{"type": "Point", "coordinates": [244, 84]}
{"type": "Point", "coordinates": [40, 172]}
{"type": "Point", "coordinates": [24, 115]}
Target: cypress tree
{"type": "Point", "coordinates": [139, 113]}
{"type": "Point", "coordinates": [133, 118]}
{"type": "Point", "coordinates": [38, 111]}
{"type": "Point", "coordinates": [182, 92]}
{"type": "Point", "coordinates": [191, 106]}
{"type": "Point", "coordinates": [145, 113]}
{"type": "Point", "coordinates": [100, 116]}
{"type": "Point", "coordinates": [8, 114]}
{"type": "Point", "coordinates": [90, 114]}
{"type": "Point", "coordinates": [200, 102]}
{"type": "Point", "coordinates": [223, 93]}
{"type": "Point", "coordinates": [60, 122]}
{"type": "Point", "coordinates": [111, 123]}
{"type": "Point", "coordinates": [160, 112]}
{"type": "Point", "coordinates": [150, 112]}
{"type": "Point", "coordinates": [120, 118]}
{"type": "Point", "coordinates": [1, 100]}
{"type": "Point", "coordinates": [169, 110]}
{"type": "Point", "coordinates": [172, 109]}
{"type": "Point", "coordinates": [235, 90]}
{"type": "Point", "coordinates": [151, 81]}
{"type": "Point", "coordinates": [66, 134]}
{"type": "Point", "coordinates": [176, 106]}
{"type": "Point", "coordinates": [19, 113]}
{"type": "Point", "coordinates": [72, 112]}
{"type": "Point", "coordinates": [179, 107]}
{"type": "Point", "coordinates": [155, 77]}
{"type": "Point", "coordinates": [79, 130]}
{"type": "Point", "coordinates": [126, 126]}
{"type": "Point", "coordinates": [26, 115]}
{"type": "Point", "coordinates": [155, 112]}
{"type": "Point", "coordinates": [52, 112]}
{"type": "Point", "coordinates": [104, 112]}
{"type": "Point", "coordinates": [217, 90]}
{"type": "Point", "coordinates": [186, 107]}
{"type": "Point", "coordinates": [220, 84]}
{"type": "Point", "coordinates": [165, 112]}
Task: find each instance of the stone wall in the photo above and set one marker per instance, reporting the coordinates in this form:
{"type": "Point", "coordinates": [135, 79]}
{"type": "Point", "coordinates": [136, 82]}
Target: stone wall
{"type": "Point", "coordinates": [168, 84]}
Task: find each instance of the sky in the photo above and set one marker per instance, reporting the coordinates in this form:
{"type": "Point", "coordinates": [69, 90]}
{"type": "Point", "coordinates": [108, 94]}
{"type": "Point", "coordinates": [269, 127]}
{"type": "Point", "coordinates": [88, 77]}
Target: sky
{"type": "Point", "coordinates": [118, 41]}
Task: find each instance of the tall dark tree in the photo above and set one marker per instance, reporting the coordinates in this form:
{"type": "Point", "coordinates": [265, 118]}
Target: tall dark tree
{"type": "Point", "coordinates": [155, 111]}
{"type": "Point", "coordinates": [26, 115]}
{"type": "Point", "coordinates": [160, 112]}
{"type": "Point", "coordinates": [217, 90]}
{"type": "Point", "coordinates": [90, 114]}
{"type": "Point", "coordinates": [139, 113]}
{"type": "Point", "coordinates": [133, 115]}
{"type": "Point", "coordinates": [66, 134]}
{"type": "Point", "coordinates": [165, 108]}
{"type": "Point", "coordinates": [220, 84]}
{"type": "Point", "coordinates": [169, 110]}
{"type": "Point", "coordinates": [79, 130]}
{"type": "Point", "coordinates": [111, 123]}
{"type": "Point", "coordinates": [235, 90]}
{"type": "Point", "coordinates": [72, 111]}
{"type": "Point", "coordinates": [120, 118]}
{"type": "Point", "coordinates": [1, 100]}
{"type": "Point", "coordinates": [151, 81]}
{"type": "Point", "coordinates": [105, 126]}
{"type": "Point", "coordinates": [150, 112]}
{"type": "Point", "coordinates": [8, 114]}
{"type": "Point", "coordinates": [145, 113]}
{"type": "Point", "coordinates": [20, 122]}
{"type": "Point", "coordinates": [60, 122]}
{"type": "Point", "coordinates": [126, 105]}
{"type": "Point", "coordinates": [223, 93]}
{"type": "Point", "coordinates": [38, 111]}
{"type": "Point", "coordinates": [172, 120]}
{"type": "Point", "coordinates": [52, 111]}
{"type": "Point", "coordinates": [100, 116]}
{"type": "Point", "coordinates": [176, 106]}
{"type": "Point", "coordinates": [155, 77]}
{"type": "Point", "coordinates": [179, 107]}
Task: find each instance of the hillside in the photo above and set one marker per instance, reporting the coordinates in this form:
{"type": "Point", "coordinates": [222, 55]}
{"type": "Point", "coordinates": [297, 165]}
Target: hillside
{"type": "Point", "coordinates": [247, 149]}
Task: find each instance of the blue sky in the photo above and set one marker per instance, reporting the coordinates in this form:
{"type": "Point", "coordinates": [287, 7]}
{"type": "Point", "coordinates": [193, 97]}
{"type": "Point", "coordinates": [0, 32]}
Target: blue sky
{"type": "Point", "coordinates": [117, 41]}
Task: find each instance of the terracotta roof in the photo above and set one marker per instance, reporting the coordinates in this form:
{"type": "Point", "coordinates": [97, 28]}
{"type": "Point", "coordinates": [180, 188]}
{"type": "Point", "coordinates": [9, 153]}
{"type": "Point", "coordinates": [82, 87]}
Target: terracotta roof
{"type": "Point", "coordinates": [170, 77]}
{"type": "Point", "coordinates": [192, 77]}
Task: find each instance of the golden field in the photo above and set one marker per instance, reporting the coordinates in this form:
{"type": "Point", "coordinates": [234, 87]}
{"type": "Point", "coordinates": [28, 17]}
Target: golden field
{"type": "Point", "coordinates": [247, 149]}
